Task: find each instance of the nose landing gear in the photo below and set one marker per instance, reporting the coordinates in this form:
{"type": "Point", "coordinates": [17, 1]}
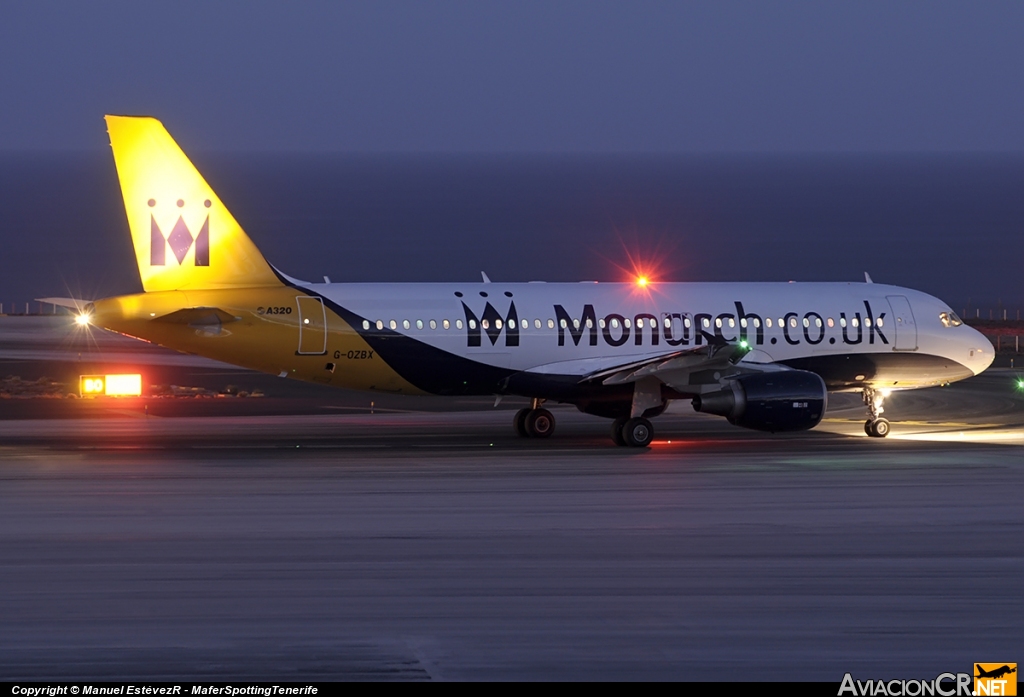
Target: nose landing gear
{"type": "Point", "coordinates": [875, 426]}
{"type": "Point", "coordinates": [534, 422]}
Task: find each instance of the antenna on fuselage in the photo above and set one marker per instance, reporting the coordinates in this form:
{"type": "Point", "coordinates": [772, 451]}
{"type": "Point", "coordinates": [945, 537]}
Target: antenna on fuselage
{"type": "Point", "coordinates": [484, 274]}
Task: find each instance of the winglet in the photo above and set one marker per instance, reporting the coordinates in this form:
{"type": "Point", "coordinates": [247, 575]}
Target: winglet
{"type": "Point", "coordinates": [867, 277]}
{"type": "Point", "coordinates": [486, 280]}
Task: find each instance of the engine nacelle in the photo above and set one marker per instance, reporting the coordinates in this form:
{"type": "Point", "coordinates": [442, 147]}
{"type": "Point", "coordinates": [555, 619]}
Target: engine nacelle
{"type": "Point", "coordinates": [790, 400]}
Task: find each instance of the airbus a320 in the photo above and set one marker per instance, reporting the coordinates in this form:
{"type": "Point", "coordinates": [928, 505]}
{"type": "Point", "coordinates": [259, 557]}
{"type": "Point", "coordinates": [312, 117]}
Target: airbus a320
{"type": "Point", "coordinates": [763, 355]}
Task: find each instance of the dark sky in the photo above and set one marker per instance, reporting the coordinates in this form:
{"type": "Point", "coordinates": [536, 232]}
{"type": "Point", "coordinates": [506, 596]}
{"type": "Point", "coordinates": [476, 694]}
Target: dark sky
{"type": "Point", "coordinates": [519, 76]}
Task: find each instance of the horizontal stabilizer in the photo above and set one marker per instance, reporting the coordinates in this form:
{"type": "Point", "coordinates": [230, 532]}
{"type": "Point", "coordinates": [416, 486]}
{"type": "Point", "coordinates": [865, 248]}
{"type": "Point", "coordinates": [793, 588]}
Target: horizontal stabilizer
{"type": "Point", "coordinates": [198, 317]}
{"type": "Point", "coordinates": [70, 303]}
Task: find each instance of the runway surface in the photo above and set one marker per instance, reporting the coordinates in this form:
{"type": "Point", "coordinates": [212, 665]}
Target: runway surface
{"type": "Point", "coordinates": [436, 545]}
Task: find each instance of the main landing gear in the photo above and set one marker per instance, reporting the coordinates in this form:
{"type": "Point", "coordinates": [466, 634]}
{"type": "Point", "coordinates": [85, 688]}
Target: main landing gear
{"type": "Point", "coordinates": [534, 422]}
{"type": "Point", "coordinates": [876, 426]}
{"type": "Point", "coordinates": [636, 433]}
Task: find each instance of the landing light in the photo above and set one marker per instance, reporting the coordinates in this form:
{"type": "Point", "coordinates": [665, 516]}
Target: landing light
{"type": "Point", "coordinates": [82, 320]}
{"type": "Point", "coordinates": [641, 281]}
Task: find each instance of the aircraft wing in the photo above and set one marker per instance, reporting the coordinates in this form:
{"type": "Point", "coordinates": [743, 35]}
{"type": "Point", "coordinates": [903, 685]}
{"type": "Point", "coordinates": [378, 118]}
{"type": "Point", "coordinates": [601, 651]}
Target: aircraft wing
{"type": "Point", "coordinates": [716, 356]}
{"type": "Point", "coordinates": [678, 369]}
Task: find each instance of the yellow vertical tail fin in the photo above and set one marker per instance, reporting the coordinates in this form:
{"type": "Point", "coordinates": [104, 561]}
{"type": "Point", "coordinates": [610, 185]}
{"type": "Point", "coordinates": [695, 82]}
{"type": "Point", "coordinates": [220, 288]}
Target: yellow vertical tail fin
{"type": "Point", "coordinates": [184, 236]}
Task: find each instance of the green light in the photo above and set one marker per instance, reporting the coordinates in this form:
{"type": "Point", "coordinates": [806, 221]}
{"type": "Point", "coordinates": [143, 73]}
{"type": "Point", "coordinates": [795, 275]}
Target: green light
{"type": "Point", "coordinates": [745, 344]}
{"type": "Point", "coordinates": [1020, 384]}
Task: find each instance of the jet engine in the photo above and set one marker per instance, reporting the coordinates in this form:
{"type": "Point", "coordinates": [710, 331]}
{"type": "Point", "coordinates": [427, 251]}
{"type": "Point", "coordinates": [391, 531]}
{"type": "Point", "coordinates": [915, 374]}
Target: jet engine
{"type": "Point", "coordinates": [790, 400]}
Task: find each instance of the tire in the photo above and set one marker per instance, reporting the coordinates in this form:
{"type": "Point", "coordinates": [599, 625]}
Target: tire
{"type": "Point", "coordinates": [638, 433]}
{"type": "Point", "coordinates": [869, 428]}
{"type": "Point", "coordinates": [540, 423]}
{"type": "Point", "coordinates": [617, 427]}
{"type": "Point", "coordinates": [519, 422]}
{"type": "Point", "coordinates": [880, 429]}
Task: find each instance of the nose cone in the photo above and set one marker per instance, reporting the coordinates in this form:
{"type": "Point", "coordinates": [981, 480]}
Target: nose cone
{"type": "Point", "coordinates": [980, 351]}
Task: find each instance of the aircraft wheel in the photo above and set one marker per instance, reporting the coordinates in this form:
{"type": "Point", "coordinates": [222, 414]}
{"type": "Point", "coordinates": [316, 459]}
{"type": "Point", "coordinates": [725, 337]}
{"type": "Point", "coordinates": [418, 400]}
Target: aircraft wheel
{"type": "Point", "coordinates": [617, 427]}
{"type": "Point", "coordinates": [540, 423]}
{"type": "Point", "coordinates": [638, 432]}
{"type": "Point", "coordinates": [520, 423]}
{"type": "Point", "coordinates": [869, 427]}
{"type": "Point", "coordinates": [880, 428]}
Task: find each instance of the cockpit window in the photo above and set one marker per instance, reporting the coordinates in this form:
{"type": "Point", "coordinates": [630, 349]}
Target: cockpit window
{"type": "Point", "coordinates": [949, 319]}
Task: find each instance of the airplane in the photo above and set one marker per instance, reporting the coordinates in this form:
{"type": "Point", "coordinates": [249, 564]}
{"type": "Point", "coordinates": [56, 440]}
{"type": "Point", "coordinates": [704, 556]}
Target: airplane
{"type": "Point", "coordinates": [763, 355]}
{"type": "Point", "coordinates": [995, 673]}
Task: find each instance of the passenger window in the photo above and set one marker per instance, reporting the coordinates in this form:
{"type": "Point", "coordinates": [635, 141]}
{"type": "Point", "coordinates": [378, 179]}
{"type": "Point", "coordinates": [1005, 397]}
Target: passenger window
{"type": "Point", "coordinates": [380, 324]}
{"type": "Point", "coordinates": [615, 324]}
{"type": "Point", "coordinates": [807, 322]}
{"type": "Point", "coordinates": [405, 324]}
{"type": "Point", "coordinates": [393, 324]}
{"type": "Point", "coordinates": [536, 324]}
{"type": "Point", "coordinates": [486, 324]}
{"type": "Point", "coordinates": [718, 323]}
{"type": "Point", "coordinates": [686, 322]}
{"type": "Point", "coordinates": [590, 324]}
{"type": "Point", "coordinates": [707, 323]}
{"type": "Point", "coordinates": [576, 324]}
{"type": "Point", "coordinates": [366, 324]}
{"type": "Point", "coordinates": [879, 322]}
{"type": "Point", "coordinates": [743, 322]}
{"type": "Point", "coordinates": [867, 321]}
{"type": "Point", "coordinates": [551, 323]}
{"type": "Point", "coordinates": [446, 324]}
{"type": "Point", "coordinates": [511, 323]}
{"type": "Point", "coordinates": [768, 322]}
{"type": "Point", "coordinates": [792, 322]}
{"type": "Point", "coordinates": [842, 322]}
{"type": "Point", "coordinates": [419, 324]}
{"type": "Point", "coordinates": [626, 323]}
{"type": "Point", "coordinates": [433, 324]}
{"type": "Point", "coordinates": [472, 324]}
{"type": "Point", "coordinates": [732, 322]}
{"type": "Point", "coordinates": [600, 323]}
{"type": "Point", "coordinates": [640, 323]}
{"type": "Point", "coordinates": [458, 324]}
{"type": "Point", "coordinates": [855, 322]}
{"type": "Point", "coordinates": [830, 322]}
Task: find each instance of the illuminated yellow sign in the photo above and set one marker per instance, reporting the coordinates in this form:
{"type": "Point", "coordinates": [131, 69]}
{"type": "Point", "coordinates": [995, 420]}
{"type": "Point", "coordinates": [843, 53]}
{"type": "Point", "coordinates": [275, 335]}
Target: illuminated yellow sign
{"type": "Point", "coordinates": [111, 385]}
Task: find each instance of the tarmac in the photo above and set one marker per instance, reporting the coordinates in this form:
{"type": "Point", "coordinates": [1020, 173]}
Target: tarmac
{"type": "Point", "coordinates": [426, 541]}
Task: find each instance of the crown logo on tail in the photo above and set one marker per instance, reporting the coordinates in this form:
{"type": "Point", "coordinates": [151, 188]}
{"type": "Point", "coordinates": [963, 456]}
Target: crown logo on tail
{"type": "Point", "coordinates": [180, 241]}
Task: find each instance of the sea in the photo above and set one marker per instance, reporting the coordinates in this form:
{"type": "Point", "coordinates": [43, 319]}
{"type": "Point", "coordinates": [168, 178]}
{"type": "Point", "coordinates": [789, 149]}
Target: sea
{"type": "Point", "coordinates": [950, 224]}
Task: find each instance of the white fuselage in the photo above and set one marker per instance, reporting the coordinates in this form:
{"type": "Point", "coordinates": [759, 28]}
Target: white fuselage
{"type": "Point", "coordinates": [576, 328]}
